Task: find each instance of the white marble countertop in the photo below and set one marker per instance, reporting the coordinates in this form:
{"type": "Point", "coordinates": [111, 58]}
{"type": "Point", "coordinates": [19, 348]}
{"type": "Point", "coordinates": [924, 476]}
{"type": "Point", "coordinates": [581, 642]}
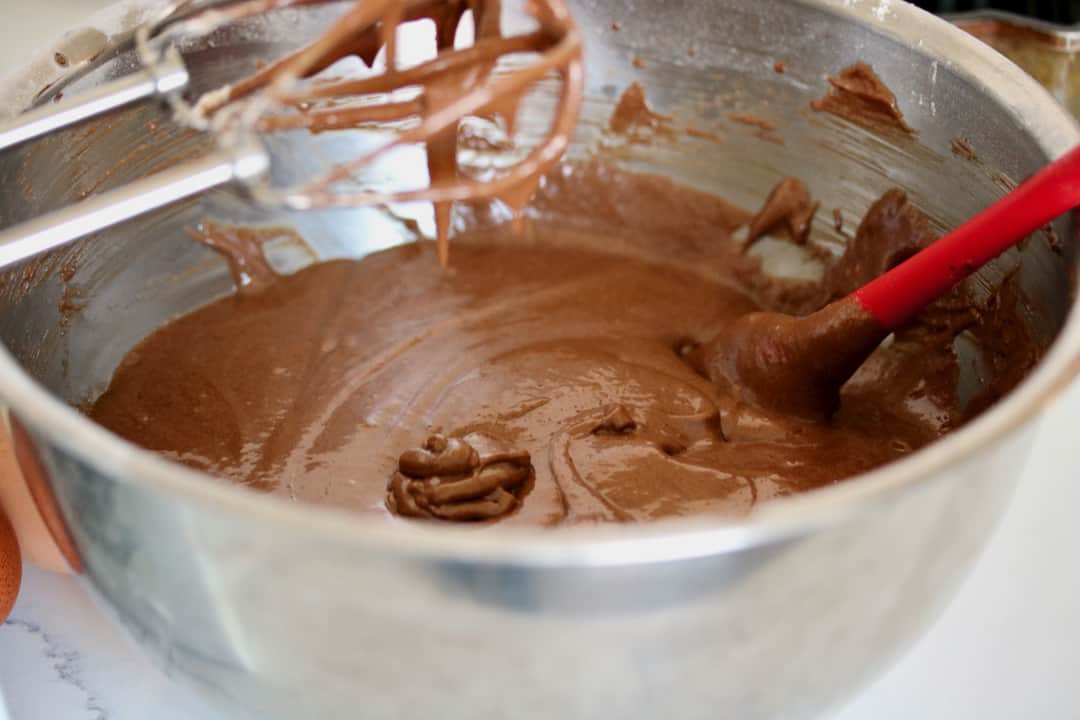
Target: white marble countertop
{"type": "Point", "coordinates": [1008, 646]}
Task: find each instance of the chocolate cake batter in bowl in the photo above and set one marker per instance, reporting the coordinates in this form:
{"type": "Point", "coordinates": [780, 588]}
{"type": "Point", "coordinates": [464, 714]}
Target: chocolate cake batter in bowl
{"type": "Point", "coordinates": [323, 476]}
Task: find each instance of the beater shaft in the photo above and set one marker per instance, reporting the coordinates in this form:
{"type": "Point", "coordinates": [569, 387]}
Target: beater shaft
{"type": "Point", "coordinates": [160, 81]}
{"type": "Point", "coordinates": [99, 212]}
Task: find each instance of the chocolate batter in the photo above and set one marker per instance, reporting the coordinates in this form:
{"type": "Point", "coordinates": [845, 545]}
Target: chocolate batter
{"type": "Point", "coordinates": [634, 118]}
{"type": "Point", "coordinates": [789, 205]}
{"type": "Point", "coordinates": [857, 94]}
{"type": "Point", "coordinates": [546, 378]}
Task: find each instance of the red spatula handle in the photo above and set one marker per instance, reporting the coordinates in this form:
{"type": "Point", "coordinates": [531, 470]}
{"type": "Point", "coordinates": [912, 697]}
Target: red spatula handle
{"type": "Point", "coordinates": [896, 296]}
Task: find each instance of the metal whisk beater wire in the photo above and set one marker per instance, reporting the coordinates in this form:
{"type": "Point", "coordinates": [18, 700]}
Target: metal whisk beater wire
{"type": "Point", "coordinates": [289, 94]}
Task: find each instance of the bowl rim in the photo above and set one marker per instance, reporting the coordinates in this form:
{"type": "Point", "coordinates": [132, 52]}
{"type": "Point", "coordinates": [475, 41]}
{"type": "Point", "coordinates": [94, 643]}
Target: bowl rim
{"type": "Point", "coordinates": [1054, 130]}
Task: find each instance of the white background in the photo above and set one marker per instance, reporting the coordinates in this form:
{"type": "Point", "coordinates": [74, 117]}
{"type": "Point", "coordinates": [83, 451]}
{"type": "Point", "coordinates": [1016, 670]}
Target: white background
{"type": "Point", "coordinates": [1007, 647]}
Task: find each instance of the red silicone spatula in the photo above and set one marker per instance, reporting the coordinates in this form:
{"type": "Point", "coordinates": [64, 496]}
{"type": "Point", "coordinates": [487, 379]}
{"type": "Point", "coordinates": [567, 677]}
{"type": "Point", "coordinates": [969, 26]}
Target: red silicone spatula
{"type": "Point", "coordinates": [797, 365]}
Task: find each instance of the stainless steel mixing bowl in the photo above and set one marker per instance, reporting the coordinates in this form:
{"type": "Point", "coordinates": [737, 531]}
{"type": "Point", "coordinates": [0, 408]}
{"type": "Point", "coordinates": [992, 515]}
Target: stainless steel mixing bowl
{"type": "Point", "coordinates": [284, 610]}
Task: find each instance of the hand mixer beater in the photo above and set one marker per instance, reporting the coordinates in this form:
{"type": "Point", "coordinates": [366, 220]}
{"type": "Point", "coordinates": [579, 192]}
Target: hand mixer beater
{"type": "Point", "coordinates": [420, 104]}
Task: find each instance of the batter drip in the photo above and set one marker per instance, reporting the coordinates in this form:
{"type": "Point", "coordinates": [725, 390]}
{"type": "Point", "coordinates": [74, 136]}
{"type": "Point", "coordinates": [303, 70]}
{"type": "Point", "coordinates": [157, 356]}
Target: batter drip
{"type": "Point", "coordinates": [558, 376]}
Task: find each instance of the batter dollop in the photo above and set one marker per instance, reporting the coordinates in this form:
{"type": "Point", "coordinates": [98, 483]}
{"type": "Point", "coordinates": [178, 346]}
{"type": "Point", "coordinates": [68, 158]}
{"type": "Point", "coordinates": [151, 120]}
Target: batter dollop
{"type": "Point", "coordinates": [545, 378]}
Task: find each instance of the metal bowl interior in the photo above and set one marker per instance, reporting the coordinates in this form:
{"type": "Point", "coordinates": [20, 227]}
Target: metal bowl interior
{"type": "Point", "coordinates": [260, 600]}
{"type": "Point", "coordinates": [703, 63]}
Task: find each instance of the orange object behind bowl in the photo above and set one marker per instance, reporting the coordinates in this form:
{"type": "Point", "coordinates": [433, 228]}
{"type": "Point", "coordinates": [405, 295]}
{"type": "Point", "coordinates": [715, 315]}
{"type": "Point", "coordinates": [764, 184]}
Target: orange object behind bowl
{"type": "Point", "coordinates": [23, 531]}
